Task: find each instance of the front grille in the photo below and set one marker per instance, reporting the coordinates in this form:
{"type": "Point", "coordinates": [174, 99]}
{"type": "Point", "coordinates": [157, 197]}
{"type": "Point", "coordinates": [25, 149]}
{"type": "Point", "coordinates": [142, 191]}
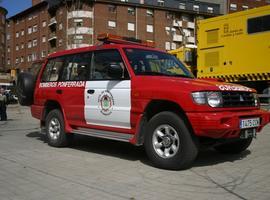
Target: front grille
{"type": "Point", "coordinates": [238, 99]}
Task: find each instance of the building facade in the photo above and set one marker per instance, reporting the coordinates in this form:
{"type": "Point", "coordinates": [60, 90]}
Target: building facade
{"type": "Point", "coordinates": [240, 5]}
{"type": "Point", "coordinates": [3, 13]}
{"type": "Point", "coordinates": [26, 39]}
{"type": "Point", "coordinates": [53, 25]}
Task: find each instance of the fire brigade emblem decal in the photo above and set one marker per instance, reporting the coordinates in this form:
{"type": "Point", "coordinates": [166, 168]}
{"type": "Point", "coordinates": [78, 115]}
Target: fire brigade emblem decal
{"type": "Point", "coordinates": [106, 102]}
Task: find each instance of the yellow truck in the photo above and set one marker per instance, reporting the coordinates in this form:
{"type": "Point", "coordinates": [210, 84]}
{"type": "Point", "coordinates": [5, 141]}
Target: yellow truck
{"type": "Point", "coordinates": [236, 48]}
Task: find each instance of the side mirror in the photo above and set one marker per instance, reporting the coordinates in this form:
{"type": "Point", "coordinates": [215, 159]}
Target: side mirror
{"type": "Point", "coordinates": [115, 71]}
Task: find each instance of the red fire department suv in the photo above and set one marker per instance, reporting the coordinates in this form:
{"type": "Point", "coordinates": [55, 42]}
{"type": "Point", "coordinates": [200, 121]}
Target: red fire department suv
{"type": "Point", "coordinates": [130, 92]}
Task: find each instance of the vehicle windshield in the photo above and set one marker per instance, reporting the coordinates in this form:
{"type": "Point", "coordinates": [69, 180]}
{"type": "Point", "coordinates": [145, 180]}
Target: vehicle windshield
{"type": "Point", "coordinates": [149, 62]}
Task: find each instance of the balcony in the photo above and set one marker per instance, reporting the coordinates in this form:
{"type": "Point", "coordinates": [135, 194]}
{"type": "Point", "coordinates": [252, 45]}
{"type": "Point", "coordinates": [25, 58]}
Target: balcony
{"type": "Point", "coordinates": [191, 40]}
{"type": "Point", "coordinates": [80, 30]}
{"type": "Point", "coordinates": [177, 38]}
{"type": "Point", "coordinates": [52, 21]}
{"type": "Point", "coordinates": [80, 14]}
{"type": "Point", "coordinates": [52, 37]}
{"type": "Point", "coordinates": [177, 23]}
{"type": "Point", "coordinates": [191, 25]}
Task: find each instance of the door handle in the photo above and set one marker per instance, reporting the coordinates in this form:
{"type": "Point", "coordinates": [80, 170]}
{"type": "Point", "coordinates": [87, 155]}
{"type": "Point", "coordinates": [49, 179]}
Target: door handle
{"type": "Point", "coordinates": [59, 91]}
{"type": "Point", "coordinates": [90, 91]}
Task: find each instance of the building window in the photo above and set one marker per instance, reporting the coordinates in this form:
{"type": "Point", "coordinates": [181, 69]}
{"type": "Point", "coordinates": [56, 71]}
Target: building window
{"type": "Point", "coordinates": [8, 49]}
{"type": "Point", "coordinates": [131, 26]}
{"type": "Point", "coordinates": [112, 24]}
{"type": "Point", "coordinates": [22, 33]}
{"type": "Point", "coordinates": [245, 7]}
{"type": "Point", "coordinates": [182, 6]}
{"type": "Point", "coordinates": [233, 6]}
{"type": "Point", "coordinates": [17, 60]}
{"type": "Point", "coordinates": [29, 44]}
{"type": "Point", "coordinates": [160, 2]}
{"type": "Point", "coordinates": [150, 13]}
{"type": "Point", "coordinates": [30, 17]}
{"type": "Point", "coordinates": [35, 28]}
{"type": "Point", "coordinates": [43, 54]}
{"type": "Point", "coordinates": [60, 42]}
{"type": "Point", "coordinates": [22, 59]}
{"type": "Point", "coordinates": [196, 7]}
{"type": "Point", "coordinates": [173, 46]}
{"type": "Point", "coordinates": [8, 61]}
{"type": "Point", "coordinates": [22, 45]}
{"type": "Point", "coordinates": [78, 22]}
{"type": "Point", "coordinates": [78, 39]}
{"type": "Point", "coordinates": [29, 58]}
{"type": "Point", "coordinates": [112, 8]}
{"type": "Point", "coordinates": [131, 10]}
{"type": "Point", "coordinates": [43, 38]}
{"type": "Point", "coordinates": [169, 15]}
{"type": "Point", "coordinates": [8, 36]}
{"type": "Point", "coordinates": [167, 46]}
{"type": "Point", "coordinates": [44, 23]}
{"type": "Point", "coordinates": [34, 42]}
{"type": "Point", "coordinates": [29, 30]}
{"type": "Point", "coordinates": [149, 28]}
{"type": "Point", "coordinates": [210, 9]}
{"type": "Point", "coordinates": [34, 56]}
{"type": "Point", "coordinates": [17, 47]}
{"type": "Point", "coordinates": [17, 34]}
{"type": "Point", "coordinates": [60, 26]}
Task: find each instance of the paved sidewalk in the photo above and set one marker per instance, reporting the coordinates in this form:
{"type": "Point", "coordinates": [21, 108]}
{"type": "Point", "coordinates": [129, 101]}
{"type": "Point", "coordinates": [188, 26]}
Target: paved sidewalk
{"type": "Point", "coordinates": [100, 169]}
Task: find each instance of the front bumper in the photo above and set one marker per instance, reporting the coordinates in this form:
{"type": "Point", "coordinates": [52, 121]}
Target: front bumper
{"type": "Point", "coordinates": [224, 124]}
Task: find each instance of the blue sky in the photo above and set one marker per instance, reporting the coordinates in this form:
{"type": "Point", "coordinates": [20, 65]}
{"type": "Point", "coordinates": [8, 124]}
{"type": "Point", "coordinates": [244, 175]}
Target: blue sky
{"type": "Point", "coordinates": [15, 6]}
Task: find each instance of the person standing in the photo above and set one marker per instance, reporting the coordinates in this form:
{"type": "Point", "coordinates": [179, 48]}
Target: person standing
{"type": "Point", "coordinates": [3, 105]}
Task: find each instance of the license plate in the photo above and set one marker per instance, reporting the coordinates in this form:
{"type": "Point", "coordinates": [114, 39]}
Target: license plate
{"type": "Point", "coordinates": [248, 133]}
{"type": "Point", "coordinates": [249, 123]}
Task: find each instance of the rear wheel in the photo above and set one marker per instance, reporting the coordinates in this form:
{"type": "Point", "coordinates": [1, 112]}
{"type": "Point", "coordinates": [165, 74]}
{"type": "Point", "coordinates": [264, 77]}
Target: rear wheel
{"type": "Point", "coordinates": [168, 142]}
{"type": "Point", "coordinates": [55, 133]}
{"type": "Point", "coordinates": [234, 147]}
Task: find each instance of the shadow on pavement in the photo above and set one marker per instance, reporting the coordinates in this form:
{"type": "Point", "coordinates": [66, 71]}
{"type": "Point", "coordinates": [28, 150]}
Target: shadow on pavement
{"type": "Point", "coordinates": [129, 152]}
{"type": "Point", "coordinates": [211, 157]}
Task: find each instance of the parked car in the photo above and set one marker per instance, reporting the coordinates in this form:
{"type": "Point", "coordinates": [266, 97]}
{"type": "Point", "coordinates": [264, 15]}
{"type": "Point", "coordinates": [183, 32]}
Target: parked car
{"type": "Point", "coordinates": [128, 91]}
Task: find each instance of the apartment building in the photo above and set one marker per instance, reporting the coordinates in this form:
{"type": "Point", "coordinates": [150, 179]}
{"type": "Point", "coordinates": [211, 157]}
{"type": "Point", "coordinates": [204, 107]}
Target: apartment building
{"type": "Point", "coordinates": [239, 5]}
{"type": "Point", "coordinates": [3, 13]}
{"type": "Point", "coordinates": [53, 25]}
{"type": "Point", "coordinates": [26, 39]}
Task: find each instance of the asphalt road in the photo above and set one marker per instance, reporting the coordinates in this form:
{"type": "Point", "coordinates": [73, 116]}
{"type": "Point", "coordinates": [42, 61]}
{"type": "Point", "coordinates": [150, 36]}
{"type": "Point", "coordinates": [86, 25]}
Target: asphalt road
{"type": "Point", "coordinates": [101, 169]}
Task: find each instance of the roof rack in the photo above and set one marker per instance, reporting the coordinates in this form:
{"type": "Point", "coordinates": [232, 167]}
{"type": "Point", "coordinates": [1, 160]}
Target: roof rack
{"type": "Point", "coordinates": [108, 38]}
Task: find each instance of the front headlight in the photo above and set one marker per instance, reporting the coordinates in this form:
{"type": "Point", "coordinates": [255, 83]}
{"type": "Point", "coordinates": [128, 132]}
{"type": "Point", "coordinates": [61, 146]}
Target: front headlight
{"type": "Point", "coordinates": [256, 99]}
{"type": "Point", "coordinates": [213, 99]}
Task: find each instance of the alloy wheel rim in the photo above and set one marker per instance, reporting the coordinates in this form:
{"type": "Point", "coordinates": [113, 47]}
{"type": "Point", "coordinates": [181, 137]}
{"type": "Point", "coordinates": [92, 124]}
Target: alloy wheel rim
{"type": "Point", "coordinates": [54, 128]}
{"type": "Point", "coordinates": [165, 141]}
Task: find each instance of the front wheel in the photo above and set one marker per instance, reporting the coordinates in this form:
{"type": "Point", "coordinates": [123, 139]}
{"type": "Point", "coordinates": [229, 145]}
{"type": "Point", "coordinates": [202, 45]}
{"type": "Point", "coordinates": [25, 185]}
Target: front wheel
{"type": "Point", "coordinates": [234, 147]}
{"type": "Point", "coordinates": [169, 143]}
{"type": "Point", "coordinates": [55, 133]}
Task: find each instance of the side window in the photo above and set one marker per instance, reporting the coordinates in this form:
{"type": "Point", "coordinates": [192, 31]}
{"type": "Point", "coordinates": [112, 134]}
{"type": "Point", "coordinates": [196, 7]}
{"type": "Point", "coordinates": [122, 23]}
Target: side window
{"type": "Point", "coordinates": [102, 60]}
{"type": "Point", "coordinates": [52, 70]}
{"type": "Point", "coordinates": [77, 67]}
{"type": "Point", "coordinates": [259, 24]}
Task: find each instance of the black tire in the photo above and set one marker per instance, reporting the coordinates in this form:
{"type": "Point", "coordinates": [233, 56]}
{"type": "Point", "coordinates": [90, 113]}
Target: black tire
{"type": "Point", "coordinates": [25, 88]}
{"type": "Point", "coordinates": [187, 150]}
{"type": "Point", "coordinates": [234, 147]}
{"type": "Point", "coordinates": [58, 137]}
